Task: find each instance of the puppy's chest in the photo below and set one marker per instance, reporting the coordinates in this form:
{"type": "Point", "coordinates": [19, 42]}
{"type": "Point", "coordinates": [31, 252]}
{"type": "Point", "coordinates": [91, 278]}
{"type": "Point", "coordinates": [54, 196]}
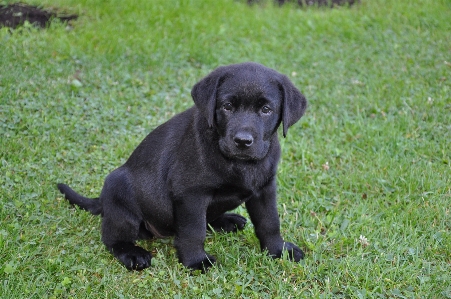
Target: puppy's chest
{"type": "Point", "coordinates": [240, 184]}
{"type": "Point", "coordinates": [246, 177]}
{"type": "Point", "coordinates": [232, 194]}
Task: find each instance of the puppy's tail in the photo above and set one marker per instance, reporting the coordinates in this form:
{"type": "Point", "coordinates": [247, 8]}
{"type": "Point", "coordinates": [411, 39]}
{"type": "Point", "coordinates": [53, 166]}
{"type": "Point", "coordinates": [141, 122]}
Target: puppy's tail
{"type": "Point", "coordinates": [92, 205]}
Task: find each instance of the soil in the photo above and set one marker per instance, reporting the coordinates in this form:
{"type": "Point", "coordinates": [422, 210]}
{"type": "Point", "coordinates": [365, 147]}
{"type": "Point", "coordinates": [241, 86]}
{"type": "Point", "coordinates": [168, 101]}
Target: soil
{"type": "Point", "coordinates": [14, 15]}
{"type": "Point", "coordinates": [330, 3]}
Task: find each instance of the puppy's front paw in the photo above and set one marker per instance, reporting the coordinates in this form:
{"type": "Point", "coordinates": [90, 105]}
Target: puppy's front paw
{"type": "Point", "coordinates": [228, 223]}
{"type": "Point", "coordinates": [201, 263]}
{"type": "Point", "coordinates": [131, 256]}
{"type": "Point", "coordinates": [294, 252]}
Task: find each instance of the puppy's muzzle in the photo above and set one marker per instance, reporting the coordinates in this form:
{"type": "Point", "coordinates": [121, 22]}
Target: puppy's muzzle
{"type": "Point", "coordinates": [243, 140]}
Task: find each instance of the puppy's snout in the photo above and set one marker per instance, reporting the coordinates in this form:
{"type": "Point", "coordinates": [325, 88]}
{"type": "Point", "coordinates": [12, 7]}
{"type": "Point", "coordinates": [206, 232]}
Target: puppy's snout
{"type": "Point", "coordinates": [243, 140]}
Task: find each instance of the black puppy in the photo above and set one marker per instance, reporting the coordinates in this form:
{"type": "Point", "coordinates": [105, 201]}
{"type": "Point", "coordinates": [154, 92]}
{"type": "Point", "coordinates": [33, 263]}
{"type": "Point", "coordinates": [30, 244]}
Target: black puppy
{"type": "Point", "coordinates": [188, 172]}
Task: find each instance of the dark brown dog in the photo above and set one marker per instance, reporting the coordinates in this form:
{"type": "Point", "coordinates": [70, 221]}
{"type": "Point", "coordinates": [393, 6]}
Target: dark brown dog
{"type": "Point", "coordinates": [191, 170]}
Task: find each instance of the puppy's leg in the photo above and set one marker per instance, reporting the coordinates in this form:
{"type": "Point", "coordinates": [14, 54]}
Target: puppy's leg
{"type": "Point", "coordinates": [263, 212]}
{"type": "Point", "coordinates": [228, 222]}
{"type": "Point", "coordinates": [190, 230]}
{"type": "Point", "coordinates": [121, 225]}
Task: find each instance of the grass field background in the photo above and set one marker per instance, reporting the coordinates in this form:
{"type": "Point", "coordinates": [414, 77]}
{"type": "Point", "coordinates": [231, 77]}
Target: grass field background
{"type": "Point", "coordinates": [365, 177]}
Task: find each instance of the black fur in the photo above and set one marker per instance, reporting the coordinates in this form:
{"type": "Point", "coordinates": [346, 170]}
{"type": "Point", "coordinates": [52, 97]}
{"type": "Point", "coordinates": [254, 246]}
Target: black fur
{"type": "Point", "coordinates": [188, 172]}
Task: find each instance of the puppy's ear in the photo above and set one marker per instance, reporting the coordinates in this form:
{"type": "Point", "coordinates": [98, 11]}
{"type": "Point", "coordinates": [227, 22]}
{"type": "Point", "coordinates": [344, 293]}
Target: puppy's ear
{"type": "Point", "coordinates": [294, 104]}
{"type": "Point", "coordinates": [204, 94]}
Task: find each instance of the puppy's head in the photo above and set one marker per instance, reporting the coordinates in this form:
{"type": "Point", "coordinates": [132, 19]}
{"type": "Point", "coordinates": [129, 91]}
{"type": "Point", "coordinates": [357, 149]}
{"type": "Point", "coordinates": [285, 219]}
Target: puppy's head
{"type": "Point", "coordinates": [246, 103]}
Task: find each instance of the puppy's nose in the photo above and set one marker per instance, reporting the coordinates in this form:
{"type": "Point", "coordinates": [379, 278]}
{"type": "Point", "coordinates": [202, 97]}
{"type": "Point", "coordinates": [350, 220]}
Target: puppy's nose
{"type": "Point", "coordinates": [243, 140]}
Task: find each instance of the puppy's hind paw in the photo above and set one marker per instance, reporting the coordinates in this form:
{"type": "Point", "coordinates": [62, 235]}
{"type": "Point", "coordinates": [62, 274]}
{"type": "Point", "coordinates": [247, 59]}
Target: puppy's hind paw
{"type": "Point", "coordinates": [228, 223]}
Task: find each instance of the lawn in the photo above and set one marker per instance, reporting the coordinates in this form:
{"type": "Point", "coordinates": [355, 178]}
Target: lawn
{"type": "Point", "coordinates": [365, 177]}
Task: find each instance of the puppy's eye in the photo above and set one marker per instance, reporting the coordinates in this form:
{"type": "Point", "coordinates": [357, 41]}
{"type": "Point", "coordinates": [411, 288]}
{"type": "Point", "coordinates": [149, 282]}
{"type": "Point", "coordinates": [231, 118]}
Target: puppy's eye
{"type": "Point", "coordinates": [266, 110]}
{"type": "Point", "coordinates": [227, 106]}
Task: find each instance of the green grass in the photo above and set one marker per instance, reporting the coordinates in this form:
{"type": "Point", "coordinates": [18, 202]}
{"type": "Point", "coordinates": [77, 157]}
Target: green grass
{"type": "Point", "coordinates": [74, 103]}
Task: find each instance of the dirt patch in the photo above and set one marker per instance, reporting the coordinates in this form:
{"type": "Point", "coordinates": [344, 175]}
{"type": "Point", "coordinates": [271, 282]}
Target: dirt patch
{"type": "Point", "coordinates": [330, 3]}
{"type": "Point", "coordinates": [14, 15]}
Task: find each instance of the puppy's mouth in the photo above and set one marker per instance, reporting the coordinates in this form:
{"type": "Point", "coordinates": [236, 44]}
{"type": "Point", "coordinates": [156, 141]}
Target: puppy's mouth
{"type": "Point", "coordinates": [250, 154]}
{"type": "Point", "coordinates": [240, 157]}
{"type": "Point", "coordinates": [243, 157]}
